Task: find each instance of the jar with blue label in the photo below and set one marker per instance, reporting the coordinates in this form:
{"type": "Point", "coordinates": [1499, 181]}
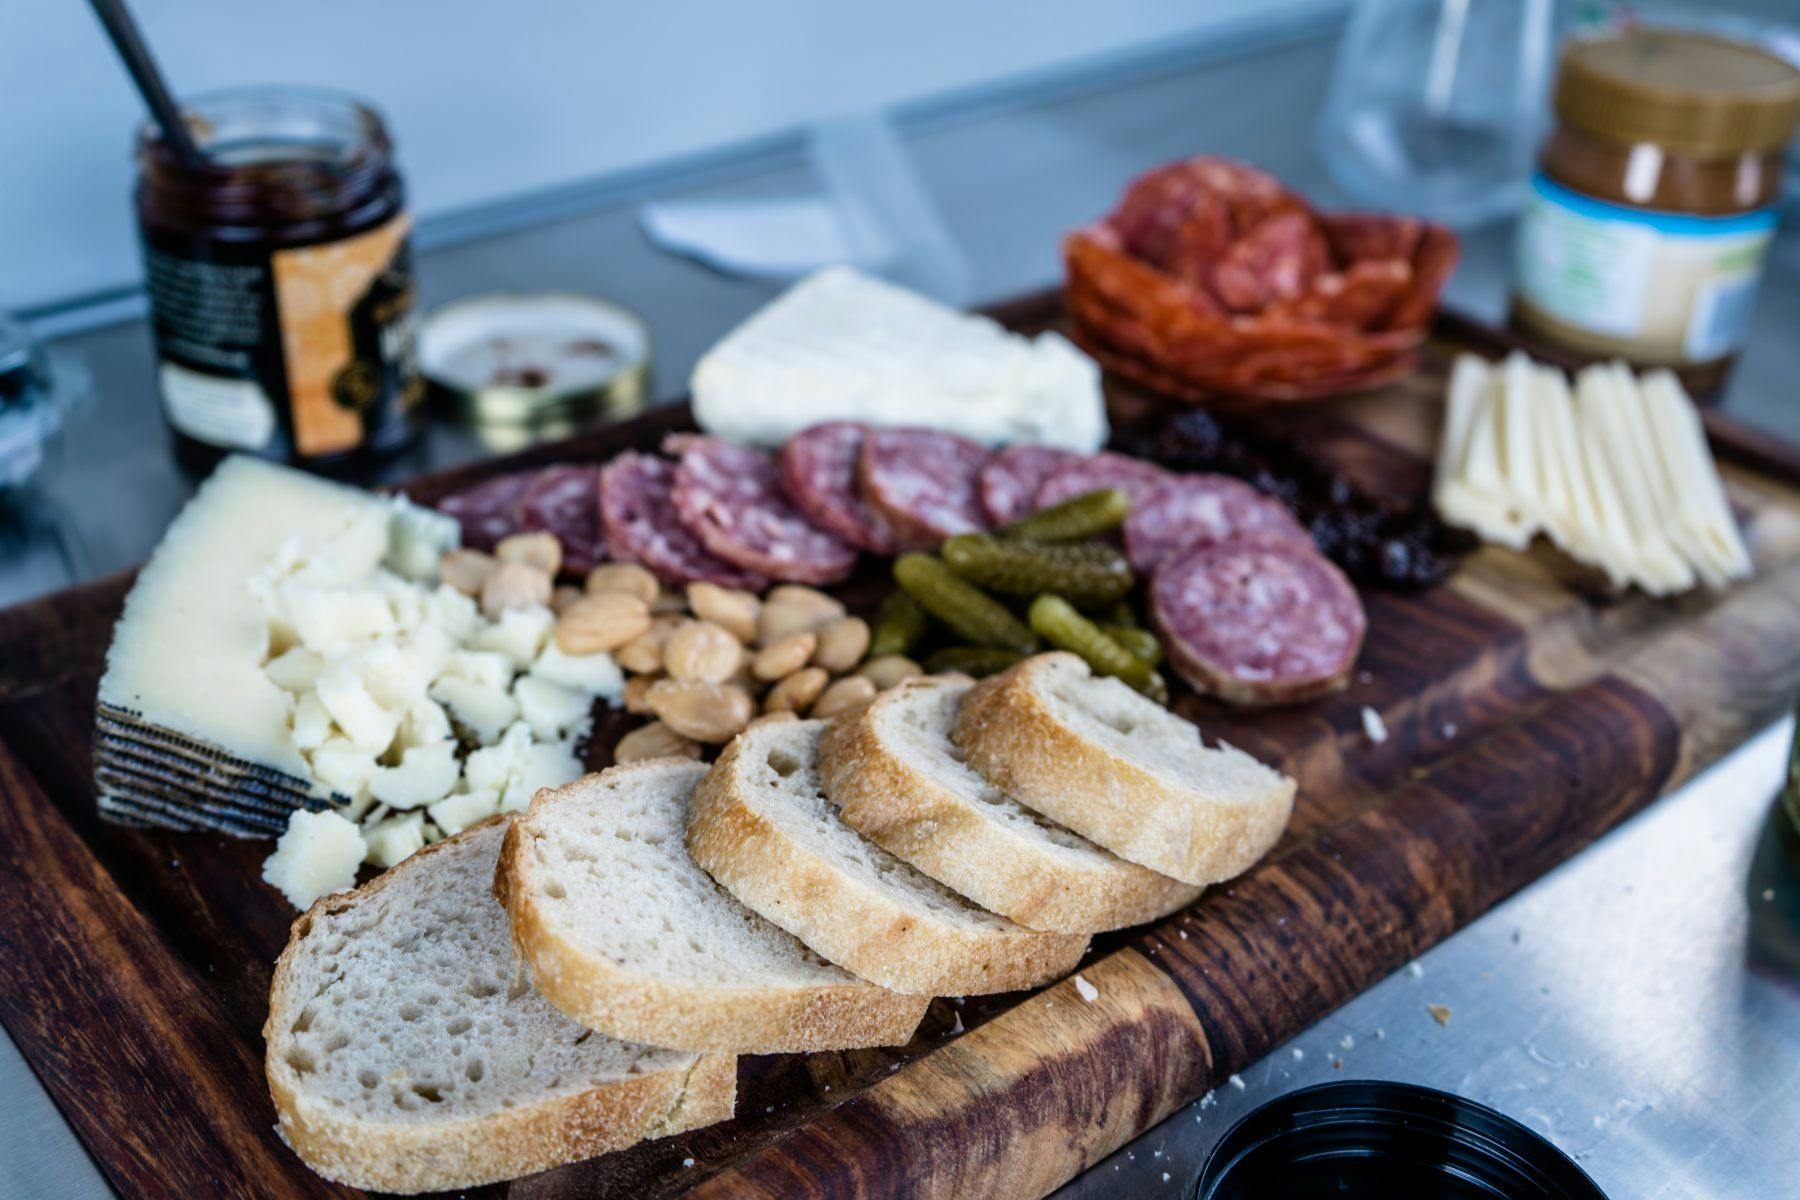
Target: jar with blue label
{"type": "Point", "coordinates": [1654, 204]}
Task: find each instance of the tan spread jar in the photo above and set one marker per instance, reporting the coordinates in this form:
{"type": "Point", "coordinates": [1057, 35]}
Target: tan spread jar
{"type": "Point", "coordinates": [1653, 207]}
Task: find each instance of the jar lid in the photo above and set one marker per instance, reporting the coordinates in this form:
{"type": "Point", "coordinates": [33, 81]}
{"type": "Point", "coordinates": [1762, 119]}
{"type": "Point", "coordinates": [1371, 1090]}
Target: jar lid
{"type": "Point", "coordinates": [1374, 1138]}
{"type": "Point", "coordinates": [1692, 93]}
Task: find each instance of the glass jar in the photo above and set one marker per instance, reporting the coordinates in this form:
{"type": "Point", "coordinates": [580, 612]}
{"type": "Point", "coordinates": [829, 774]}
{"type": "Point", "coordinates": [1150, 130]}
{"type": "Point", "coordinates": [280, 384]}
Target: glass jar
{"type": "Point", "coordinates": [280, 280]}
{"type": "Point", "coordinates": [1654, 201]}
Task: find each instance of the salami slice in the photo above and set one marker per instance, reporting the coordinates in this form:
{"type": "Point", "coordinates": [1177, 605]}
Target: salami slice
{"type": "Point", "coordinates": [1257, 621]}
{"type": "Point", "coordinates": [488, 511]}
{"type": "Point", "coordinates": [1194, 509]}
{"type": "Point", "coordinates": [1008, 485]}
{"type": "Point", "coordinates": [1135, 477]}
{"type": "Point", "coordinates": [730, 497]}
{"type": "Point", "coordinates": [818, 472]}
{"type": "Point", "coordinates": [923, 483]}
{"type": "Point", "coordinates": [565, 501]}
{"type": "Point", "coordinates": [637, 503]}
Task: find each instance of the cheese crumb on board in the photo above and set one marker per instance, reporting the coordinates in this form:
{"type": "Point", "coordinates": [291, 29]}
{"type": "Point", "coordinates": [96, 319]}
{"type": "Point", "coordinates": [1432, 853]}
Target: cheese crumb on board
{"type": "Point", "coordinates": [318, 854]}
{"type": "Point", "coordinates": [1086, 990]}
{"type": "Point", "coordinates": [1373, 726]}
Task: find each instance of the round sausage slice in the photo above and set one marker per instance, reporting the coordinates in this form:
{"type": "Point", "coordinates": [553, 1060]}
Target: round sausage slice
{"type": "Point", "coordinates": [1191, 509]}
{"type": "Point", "coordinates": [730, 497]}
{"type": "Point", "coordinates": [637, 502]}
{"type": "Point", "coordinates": [1133, 476]}
{"type": "Point", "coordinates": [1257, 621]}
{"type": "Point", "coordinates": [1009, 484]}
{"type": "Point", "coordinates": [565, 501]}
{"type": "Point", "coordinates": [488, 511]}
{"type": "Point", "coordinates": [818, 472]}
{"type": "Point", "coordinates": [923, 483]}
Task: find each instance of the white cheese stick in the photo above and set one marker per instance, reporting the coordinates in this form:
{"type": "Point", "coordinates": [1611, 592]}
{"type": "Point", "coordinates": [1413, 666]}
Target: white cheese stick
{"type": "Point", "coordinates": [1603, 407]}
{"type": "Point", "coordinates": [1703, 528]}
{"type": "Point", "coordinates": [1478, 495]}
{"type": "Point", "coordinates": [1573, 503]}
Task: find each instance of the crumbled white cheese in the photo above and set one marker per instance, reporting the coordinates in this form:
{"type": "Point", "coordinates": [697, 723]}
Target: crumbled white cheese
{"type": "Point", "coordinates": [453, 814]}
{"type": "Point", "coordinates": [592, 674]}
{"type": "Point", "coordinates": [1236, 1081]}
{"type": "Point", "coordinates": [485, 710]}
{"type": "Point", "coordinates": [297, 670]}
{"type": "Point", "coordinates": [426, 774]}
{"type": "Point", "coordinates": [1374, 726]}
{"type": "Point", "coordinates": [1086, 990]}
{"type": "Point", "coordinates": [519, 634]}
{"type": "Point", "coordinates": [551, 709]}
{"type": "Point", "coordinates": [318, 854]}
{"type": "Point", "coordinates": [394, 839]}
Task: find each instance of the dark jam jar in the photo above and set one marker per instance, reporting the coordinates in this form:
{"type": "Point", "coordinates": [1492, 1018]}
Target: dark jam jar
{"type": "Point", "coordinates": [280, 281]}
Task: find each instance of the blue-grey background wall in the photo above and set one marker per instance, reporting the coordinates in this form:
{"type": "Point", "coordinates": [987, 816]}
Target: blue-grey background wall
{"type": "Point", "coordinates": [493, 98]}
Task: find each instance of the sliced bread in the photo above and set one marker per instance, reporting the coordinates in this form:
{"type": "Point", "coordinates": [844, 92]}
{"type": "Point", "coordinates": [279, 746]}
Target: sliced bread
{"type": "Point", "coordinates": [897, 779]}
{"type": "Point", "coordinates": [626, 934]}
{"type": "Point", "coordinates": [406, 1052]}
{"type": "Point", "coordinates": [1121, 770]}
{"type": "Point", "coordinates": [762, 827]}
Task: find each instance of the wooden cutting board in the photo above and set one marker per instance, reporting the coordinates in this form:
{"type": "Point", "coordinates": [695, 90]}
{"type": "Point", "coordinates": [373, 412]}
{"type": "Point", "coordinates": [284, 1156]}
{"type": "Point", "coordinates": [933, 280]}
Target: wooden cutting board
{"type": "Point", "coordinates": [1526, 715]}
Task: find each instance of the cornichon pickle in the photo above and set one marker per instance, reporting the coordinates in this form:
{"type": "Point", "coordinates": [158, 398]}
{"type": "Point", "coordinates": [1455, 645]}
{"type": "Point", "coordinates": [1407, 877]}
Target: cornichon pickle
{"type": "Point", "coordinates": [1056, 621]}
{"type": "Point", "coordinates": [1141, 642]}
{"type": "Point", "coordinates": [1120, 614]}
{"type": "Point", "coordinates": [970, 613]}
{"type": "Point", "coordinates": [979, 661]}
{"type": "Point", "coordinates": [1088, 573]}
{"type": "Point", "coordinates": [1087, 515]}
{"type": "Point", "coordinates": [899, 624]}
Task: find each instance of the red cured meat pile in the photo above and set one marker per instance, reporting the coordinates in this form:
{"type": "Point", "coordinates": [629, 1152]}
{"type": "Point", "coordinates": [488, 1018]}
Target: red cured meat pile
{"type": "Point", "coordinates": [1211, 280]}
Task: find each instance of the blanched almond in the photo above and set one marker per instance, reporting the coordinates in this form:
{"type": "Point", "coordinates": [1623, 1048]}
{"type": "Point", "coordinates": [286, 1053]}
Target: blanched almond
{"type": "Point", "coordinates": [797, 692]}
{"type": "Point", "coordinates": [603, 622]}
{"type": "Point", "coordinates": [780, 659]}
{"type": "Point", "coordinates": [888, 670]}
{"type": "Point", "coordinates": [852, 691]}
{"type": "Point", "coordinates": [667, 602]}
{"type": "Point", "coordinates": [842, 644]}
{"type": "Point", "coordinates": [702, 650]}
{"type": "Point", "coordinates": [562, 597]}
{"type": "Point", "coordinates": [637, 694]}
{"type": "Point", "coordinates": [654, 740]}
{"type": "Point", "coordinates": [706, 712]}
{"type": "Point", "coordinates": [514, 585]}
{"type": "Point", "coordinates": [644, 653]}
{"type": "Point", "coordinates": [629, 578]}
{"type": "Point", "coordinates": [538, 549]}
{"type": "Point", "coordinates": [466, 570]}
{"type": "Point", "coordinates": [793, 608]}
{"type": "Point", "coordinates": [735, 610]}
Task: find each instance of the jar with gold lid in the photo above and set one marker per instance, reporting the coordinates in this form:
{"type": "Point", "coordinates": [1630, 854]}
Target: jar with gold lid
{"type": "Point", "coordinates": [1653, 206]}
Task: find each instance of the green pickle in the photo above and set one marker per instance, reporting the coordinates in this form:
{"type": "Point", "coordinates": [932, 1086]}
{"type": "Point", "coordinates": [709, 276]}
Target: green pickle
{"type": "Point", "coordinates": [978, 661]}
{"type": "Point", "coordinates": [1141, 642]}
{"type": "Point", "coordinates": [1057, 622]}
{"type": "Point", "coordinates": [970, 613]}
{"type": "Point", "coordinates": [899, 624]}
{"type": "Point", "coordinates": [1075, 519]}
{"type": "Point", "coordinates": [1090, 574]}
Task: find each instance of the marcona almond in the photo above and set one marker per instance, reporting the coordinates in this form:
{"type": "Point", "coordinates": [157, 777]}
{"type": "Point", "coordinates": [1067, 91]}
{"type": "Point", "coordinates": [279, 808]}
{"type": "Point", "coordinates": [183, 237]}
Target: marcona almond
{"type": "Point", "coordinates": [771, 718]}
{"type": "Point", "coordinates": [654, 740]}
{"type": "Point", "coordinates": [797, 691]}
{"type": "Point", "coordinates": [780, 659]}
{"type": "Point", "coordinates": [539, 549]}
{"type": "Point", "coordinates": [514, 585]}
{"type": "Point", "coordinates": [793, 608]}
{"type": "Point", "coordinates": [466, 570]}
{"type": "Point", "coordinates": [852, 691]}
{"type": "Point", "coordinates": [702, 650]}
{"type": "Point", "coordinates": [735, 610]}
{"type": "Point", "coordinates": [888, 670]}
{"type": "Point", "coordinates": [706, 712]}
{"type": "Point", "coordinates": [562, 597]}
{"type": "Point", "coordinates": [637, 694]}
{"type": "Point", "coordinates": [603, 622]}
{"type": "Point", "coordinates": [629, 578]}
{"type": "Point", "coordinates": [644, 653]}
{"type": "Point", "coordinates": [669, 602]}
{"type": "Point", "coordinates": [842, 644]}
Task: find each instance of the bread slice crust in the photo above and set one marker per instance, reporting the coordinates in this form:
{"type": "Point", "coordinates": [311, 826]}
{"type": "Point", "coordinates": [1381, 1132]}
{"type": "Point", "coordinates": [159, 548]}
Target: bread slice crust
{"type": "Point", "coordinates": [636, 1005]}
{"type": "Point", "coordinates": [1009, 729]}
{"type": "Point", "coordinates": [849, 920]}
{"type": "Point", "coordinates": [886, 796]}
{"type": "Point", "coordinates": [411, 1157]}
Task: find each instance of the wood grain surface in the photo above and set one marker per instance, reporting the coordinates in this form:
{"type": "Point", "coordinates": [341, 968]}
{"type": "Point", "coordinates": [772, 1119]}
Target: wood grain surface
{"type": "Point", "coordinates": [1528, 712]}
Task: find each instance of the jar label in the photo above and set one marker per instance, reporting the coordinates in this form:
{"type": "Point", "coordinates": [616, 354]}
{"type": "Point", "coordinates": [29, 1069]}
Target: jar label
{"type": "Point", "coordinates": [1676, 288]}
{"type": "Point", "coordinates": [303, 351]}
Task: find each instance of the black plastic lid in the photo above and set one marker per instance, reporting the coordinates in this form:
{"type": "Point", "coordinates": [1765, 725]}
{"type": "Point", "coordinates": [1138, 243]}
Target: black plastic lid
{"type": "Point", "coordinates": [1365, 1138]}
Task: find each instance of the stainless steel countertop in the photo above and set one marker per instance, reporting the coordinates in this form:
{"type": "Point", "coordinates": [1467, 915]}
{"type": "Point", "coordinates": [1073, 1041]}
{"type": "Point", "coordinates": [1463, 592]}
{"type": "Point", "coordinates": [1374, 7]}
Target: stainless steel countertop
{"type": "Point", "coordinates": [1610, 1005]}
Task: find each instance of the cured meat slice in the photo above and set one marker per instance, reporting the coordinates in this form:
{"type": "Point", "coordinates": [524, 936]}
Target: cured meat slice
{"type": "Point", "coordinates": [637, 505]}
{"type": "Point", "coordinates": [488, 511]}
{"type": "Point", "coordinates": [1192, 510]}
{"type": "Point", "coordinates": [730, 498]}
{"type": "Point", "coordinates": [1008, 486]}
{"type": "Point", "coordinates": [565, 501]}
{"type": "Point", "coordinates": [1135, 477]}
{"type": "Point", "coordinates": [1275, 261]}
{"type": "Point", "coordinates": [818, 471]}
{"type": "Point", "coordinates": [1257, 621]}
{"type": "Point", "coordinates": [924, 483]}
